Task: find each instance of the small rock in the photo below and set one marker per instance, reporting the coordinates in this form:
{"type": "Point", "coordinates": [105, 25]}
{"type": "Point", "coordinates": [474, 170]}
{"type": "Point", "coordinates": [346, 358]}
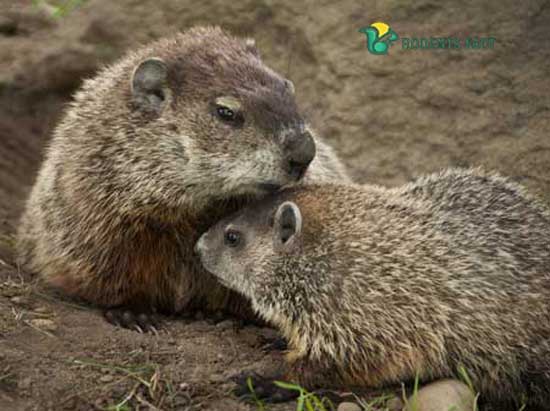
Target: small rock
{"type": "Point", "coordinates": [217, 378]}
{"type": "Point", "coordinates": [106, 378]}
{"type": "Point", "coordinates": [41, 310]}
{"type": "Point", "coordinates": [442, 395]}
{"type": "Point", "coordinates": [348, 406]}
{"type": "Point", "coordinates": [25, 383]}
{"type": "Point", "coordinates": [225, 325]}
{"type": "Point", "coordinates": [44, 324]}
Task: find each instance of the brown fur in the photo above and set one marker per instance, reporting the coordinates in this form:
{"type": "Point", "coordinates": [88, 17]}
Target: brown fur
{"type": "Point", "coordinates": [128, 186]}
{"type": "Point", "coordinates": [376, 285]}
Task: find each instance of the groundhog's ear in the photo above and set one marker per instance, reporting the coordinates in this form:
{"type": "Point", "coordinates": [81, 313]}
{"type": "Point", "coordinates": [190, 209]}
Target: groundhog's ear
{"type": "Point", "coordinates": [290, 86]}
{"type": "Point", "coordinates": [149, 85]}
{"type": "Point", "coordinates": [251, 47]}
{"type": "Point", "coordinates": [287, 227]}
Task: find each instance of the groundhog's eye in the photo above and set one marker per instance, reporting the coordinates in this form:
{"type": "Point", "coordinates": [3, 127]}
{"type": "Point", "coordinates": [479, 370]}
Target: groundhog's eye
{"type": "Point", "coordinates": [226, 114]}
{"type": "Point", "coordinates": [232, 238]}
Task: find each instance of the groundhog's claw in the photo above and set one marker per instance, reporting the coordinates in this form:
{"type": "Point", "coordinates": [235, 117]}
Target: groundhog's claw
{"type": "Point", "coordinates": [262, 388]}
{"type": "Point", "coordinates": [274, 344]}
{"type": "Point", "coordinates": [141, 323]}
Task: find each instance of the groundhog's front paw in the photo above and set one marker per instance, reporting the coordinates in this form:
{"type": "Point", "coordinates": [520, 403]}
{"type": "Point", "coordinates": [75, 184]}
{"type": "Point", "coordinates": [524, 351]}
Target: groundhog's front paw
{"type": "Point", "coordinates": [251, 385]}
{"type": "Point", "coordinates": [140, 322]}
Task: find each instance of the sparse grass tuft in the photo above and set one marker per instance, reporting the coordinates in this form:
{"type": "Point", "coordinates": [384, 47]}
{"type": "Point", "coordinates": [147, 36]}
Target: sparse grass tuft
{"type": "Point", "coordinates": [307, 400]}
{"type": "Point", "coordinates": [412, 405]}
{"type": "Point", "coordinates": [149, 391]}
{"type": "Point", "coordinates": [465, 377]}
{"type": "Point", "coordinates": [523, 403]}
{"type": "Point", "coordinates": [376, 404]}
{"type": "Point", "coordinates": [259, 403]}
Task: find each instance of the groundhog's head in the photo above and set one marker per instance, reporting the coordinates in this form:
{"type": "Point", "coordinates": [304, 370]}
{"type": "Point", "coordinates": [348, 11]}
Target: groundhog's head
{"type": "Point", "coordinates": [265, 252]}
{"type": "Point", "coordinates": [202, 117]}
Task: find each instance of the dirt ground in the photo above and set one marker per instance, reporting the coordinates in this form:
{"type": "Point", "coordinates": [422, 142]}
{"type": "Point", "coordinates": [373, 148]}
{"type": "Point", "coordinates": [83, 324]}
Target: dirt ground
{"type": "Point", "coordinates": [391, 118]}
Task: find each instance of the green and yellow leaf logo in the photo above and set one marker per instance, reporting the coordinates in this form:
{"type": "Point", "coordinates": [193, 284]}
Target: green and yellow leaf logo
{"type": "Point", "coordinates": [379, 37]}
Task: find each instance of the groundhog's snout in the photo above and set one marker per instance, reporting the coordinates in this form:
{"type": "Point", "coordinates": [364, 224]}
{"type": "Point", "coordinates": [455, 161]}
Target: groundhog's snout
{"type": "Point", "coordinates": [300, 152]}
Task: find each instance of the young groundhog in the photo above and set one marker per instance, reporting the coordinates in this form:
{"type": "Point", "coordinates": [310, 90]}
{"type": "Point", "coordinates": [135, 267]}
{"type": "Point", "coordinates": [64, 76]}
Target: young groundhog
{"type": "Point", "coordinates": [154, 150]}
{"type": "Point", "coordinates": [371, 286]}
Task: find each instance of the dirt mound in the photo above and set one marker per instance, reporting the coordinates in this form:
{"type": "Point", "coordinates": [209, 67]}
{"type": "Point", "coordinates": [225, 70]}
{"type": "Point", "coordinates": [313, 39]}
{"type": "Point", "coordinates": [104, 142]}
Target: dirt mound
{"type": "Point", "coordinates": [390, 117]}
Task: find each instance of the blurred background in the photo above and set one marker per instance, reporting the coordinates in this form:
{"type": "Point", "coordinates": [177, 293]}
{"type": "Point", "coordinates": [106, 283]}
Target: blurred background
{"type": "Point", "coordinates": [391, 118]}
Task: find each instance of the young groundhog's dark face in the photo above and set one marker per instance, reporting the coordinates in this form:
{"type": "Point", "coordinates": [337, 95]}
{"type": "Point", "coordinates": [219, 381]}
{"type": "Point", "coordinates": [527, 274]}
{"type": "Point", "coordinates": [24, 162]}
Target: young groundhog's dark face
{"type": "Point", "coordinates": [222, 122]}
{"type": "Point", "coordinates": [253, 251]}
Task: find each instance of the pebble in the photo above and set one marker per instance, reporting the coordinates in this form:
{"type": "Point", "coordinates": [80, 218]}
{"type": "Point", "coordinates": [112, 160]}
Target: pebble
{"type": "Point", "coordinates": [442, 395]}
{"type": "Point", "coordinates": [25, 383]}
{"type": "Point", "coordinates": [348, 406]}
{"type": "Point", "coordinates": [44, 324]}
{"type": "Point", "coordinates": [106, 378]}
{"type": "Point", "coordinates": [217, 378]}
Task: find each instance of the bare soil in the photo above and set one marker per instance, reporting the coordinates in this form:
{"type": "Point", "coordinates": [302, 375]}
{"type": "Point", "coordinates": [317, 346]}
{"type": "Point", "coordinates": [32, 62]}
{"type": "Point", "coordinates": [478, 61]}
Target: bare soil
{"type": "Point", "coordinates": [391, 118]}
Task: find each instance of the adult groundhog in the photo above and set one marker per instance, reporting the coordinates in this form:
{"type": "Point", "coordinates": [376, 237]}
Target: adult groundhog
{"type": "Point", "coordinates": [371, 286]}
{"type": "Point", "coordinates": [154, 150]}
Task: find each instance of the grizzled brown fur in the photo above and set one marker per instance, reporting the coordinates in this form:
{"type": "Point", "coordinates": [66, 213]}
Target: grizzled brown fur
{"type": "Point", "coordinates": [141, 165]}
{"type": "Point", "coordinates": [371, 285]}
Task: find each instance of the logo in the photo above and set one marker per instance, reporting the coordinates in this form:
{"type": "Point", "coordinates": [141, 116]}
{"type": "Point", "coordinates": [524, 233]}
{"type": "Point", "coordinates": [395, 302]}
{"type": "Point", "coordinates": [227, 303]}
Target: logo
{"type": "Point", "coordinates": [379, 37]}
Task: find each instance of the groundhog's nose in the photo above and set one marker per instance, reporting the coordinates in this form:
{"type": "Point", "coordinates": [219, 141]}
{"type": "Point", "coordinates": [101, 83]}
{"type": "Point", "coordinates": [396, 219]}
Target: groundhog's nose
{"type": "Point", "coordinates": [300, 152]}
